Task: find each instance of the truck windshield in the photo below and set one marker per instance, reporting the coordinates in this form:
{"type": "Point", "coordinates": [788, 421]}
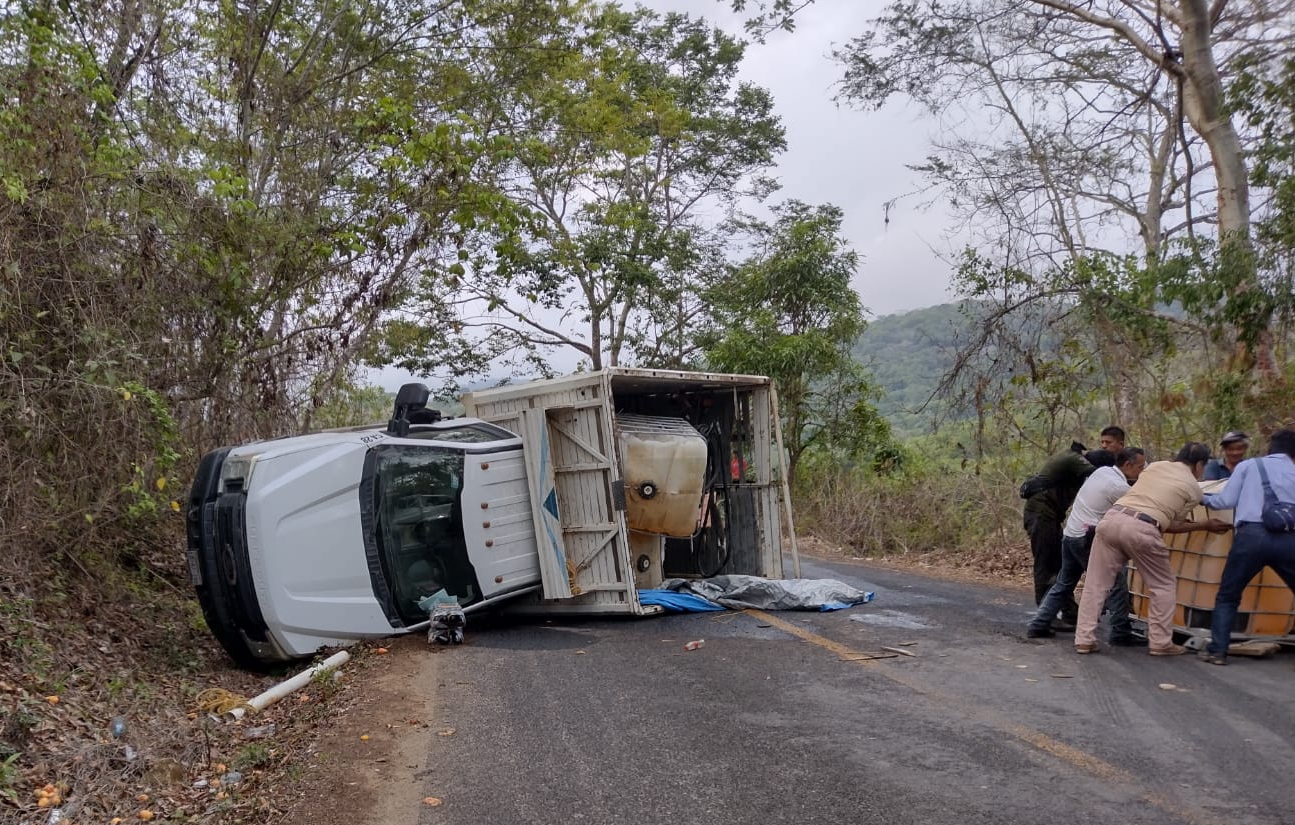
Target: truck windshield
{"type": "Point", "coordinates": [419, 526]}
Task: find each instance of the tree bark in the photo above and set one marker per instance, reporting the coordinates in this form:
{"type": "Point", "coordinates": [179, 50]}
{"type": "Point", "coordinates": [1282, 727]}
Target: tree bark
{"type": "Point", "coordinates": [1204, 107]}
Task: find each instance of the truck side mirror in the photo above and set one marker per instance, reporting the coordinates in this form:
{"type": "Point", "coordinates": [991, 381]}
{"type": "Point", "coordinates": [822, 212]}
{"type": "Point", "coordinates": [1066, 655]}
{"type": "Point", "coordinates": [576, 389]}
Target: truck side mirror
{"type": "Point", "coordinates": [409, 398]}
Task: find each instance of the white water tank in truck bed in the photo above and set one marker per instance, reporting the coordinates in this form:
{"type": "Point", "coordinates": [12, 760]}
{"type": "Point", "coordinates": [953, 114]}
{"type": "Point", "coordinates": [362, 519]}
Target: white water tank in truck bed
{"type": "Point", "coordinates": [665, 473]}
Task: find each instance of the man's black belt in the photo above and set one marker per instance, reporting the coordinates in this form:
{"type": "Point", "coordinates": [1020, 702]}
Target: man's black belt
{"type": "Point", "coordinates": [1137, 514]}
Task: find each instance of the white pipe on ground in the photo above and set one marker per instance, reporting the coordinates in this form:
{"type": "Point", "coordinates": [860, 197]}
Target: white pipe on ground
{"type": "Point", "coordinates": [284, 688]}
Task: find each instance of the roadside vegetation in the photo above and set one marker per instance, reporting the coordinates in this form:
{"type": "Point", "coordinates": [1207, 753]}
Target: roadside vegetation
{"type": "Point", "coordinates": [215, 220]}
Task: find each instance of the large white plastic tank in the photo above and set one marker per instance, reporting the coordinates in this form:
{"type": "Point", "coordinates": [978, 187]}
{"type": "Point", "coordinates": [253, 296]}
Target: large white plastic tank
{"type": "Point", "coordinates": [664, 472]}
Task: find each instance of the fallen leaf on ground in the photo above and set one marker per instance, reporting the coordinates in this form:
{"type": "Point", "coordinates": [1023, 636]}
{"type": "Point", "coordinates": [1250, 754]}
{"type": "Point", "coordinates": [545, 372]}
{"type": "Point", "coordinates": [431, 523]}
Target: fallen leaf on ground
{"type": "Point", "coordinates": [380, 650]}
{"type": "Point", "coordinates": [446, 732]}
{"type": "Point", "coordinates": [364, 738]}
{"type": "Point", "coordinates": [432, 801]}
{"type": "Point", "coordinates": [145, 814]}
{"type": "Point", "coordinates": [53, 700]}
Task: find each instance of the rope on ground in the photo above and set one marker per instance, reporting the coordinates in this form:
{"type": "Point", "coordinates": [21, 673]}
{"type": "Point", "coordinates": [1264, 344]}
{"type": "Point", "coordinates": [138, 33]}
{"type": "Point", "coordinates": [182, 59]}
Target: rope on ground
{"type": "Point", "coordinates": [220, 701]}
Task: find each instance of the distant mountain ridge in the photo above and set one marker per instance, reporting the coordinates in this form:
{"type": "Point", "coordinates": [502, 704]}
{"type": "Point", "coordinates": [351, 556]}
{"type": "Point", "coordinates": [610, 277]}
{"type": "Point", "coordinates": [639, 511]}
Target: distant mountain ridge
{"type": "Point", "coordinates": [908, 353]}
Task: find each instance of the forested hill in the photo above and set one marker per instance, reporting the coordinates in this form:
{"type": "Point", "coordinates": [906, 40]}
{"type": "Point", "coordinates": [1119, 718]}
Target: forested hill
{"type": "Point", "coordinates": [908, 353]}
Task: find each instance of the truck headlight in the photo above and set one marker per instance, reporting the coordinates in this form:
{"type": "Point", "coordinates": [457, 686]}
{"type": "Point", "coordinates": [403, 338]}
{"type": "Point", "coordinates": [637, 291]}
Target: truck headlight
{"type": "Point", "coordinates": [236, 472]}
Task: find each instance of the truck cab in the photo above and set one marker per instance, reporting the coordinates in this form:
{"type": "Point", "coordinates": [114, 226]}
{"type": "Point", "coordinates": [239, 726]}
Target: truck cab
{"type": "Point", "coordinates": [321, 539]}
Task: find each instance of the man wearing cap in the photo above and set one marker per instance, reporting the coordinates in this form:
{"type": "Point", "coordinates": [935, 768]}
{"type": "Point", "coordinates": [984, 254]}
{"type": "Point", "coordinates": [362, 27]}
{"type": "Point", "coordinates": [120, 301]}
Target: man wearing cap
{"type": "Point", "coordinates": [1133, 530]}
{"type": "Point", "coordinates": [1254, 546]}
{"type": "Point", "coordinates": [1234, 446]}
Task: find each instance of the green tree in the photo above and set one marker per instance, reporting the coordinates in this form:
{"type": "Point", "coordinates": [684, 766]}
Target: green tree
{"type": "Point", "coordinates": [790, 312]}
{"type": "Point", "coordinates": [204, 218]}
{"type": "Point", "coordinates": [616, 144]}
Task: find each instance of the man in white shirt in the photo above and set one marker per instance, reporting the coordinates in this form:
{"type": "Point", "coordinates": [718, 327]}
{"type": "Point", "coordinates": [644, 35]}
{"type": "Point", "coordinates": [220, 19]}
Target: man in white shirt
{"type": "Point", "coordinates": [1102, 489]}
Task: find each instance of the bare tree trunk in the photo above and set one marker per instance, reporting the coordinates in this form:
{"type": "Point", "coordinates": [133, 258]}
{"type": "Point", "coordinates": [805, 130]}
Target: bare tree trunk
{"type": "Point", "coordinates": [1204, 106]}
{"type": "Point", "coordinates": [1203, 103]}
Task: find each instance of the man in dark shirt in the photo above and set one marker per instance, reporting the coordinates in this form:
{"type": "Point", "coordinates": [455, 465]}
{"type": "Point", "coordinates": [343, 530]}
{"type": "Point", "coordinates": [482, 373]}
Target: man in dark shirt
{"type": "Point", "coordinates": [1235, 445]}
{"type": "Point", "coordinates": [1050, 493]}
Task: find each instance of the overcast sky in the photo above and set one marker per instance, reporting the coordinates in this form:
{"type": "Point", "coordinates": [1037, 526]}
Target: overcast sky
{"type": "Point", "coordinates": [854, 159]}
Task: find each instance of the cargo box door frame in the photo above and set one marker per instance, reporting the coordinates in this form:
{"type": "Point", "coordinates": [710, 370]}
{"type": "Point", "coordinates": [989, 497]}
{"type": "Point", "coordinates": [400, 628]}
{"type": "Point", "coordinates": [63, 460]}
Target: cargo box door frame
{"type": "Point", "coordinates": [576, 467]}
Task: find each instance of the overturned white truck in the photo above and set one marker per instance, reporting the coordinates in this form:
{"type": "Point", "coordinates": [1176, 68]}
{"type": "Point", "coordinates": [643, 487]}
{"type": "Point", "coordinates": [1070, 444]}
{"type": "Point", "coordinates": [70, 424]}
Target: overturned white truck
{"type": "Point", "coordinates": [564, 495]}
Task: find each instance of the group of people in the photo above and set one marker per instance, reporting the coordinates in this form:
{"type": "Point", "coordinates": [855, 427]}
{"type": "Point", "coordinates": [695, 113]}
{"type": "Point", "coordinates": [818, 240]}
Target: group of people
{"type": "Point", "coordinates": [1094, 511]}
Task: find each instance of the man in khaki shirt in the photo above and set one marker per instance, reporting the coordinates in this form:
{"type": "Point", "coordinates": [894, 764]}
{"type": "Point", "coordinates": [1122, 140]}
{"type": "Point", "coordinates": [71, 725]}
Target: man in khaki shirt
{"type": "Point", "coordinates": [1133, 530]}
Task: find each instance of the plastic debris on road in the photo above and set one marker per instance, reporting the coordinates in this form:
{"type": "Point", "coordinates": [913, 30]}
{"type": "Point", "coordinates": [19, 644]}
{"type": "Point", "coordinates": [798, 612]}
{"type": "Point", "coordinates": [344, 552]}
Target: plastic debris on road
{"type": "Point", "coordinates": [447, 619]}
{"type": "Point", "coordinates": [741, 592]}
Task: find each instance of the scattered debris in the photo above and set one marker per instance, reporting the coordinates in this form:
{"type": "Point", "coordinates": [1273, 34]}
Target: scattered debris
{"type": "Point", "coordinates": [1022, 667]}
{"type": "Point", "coordinates": [867, 657]}
{"type": "Point", "coordinates": [1061, 676]}
{"type": "Point", "coordinates": [1255, 648]}
{"type": "Point", "coordinates": [901, 651]}
{"type": "Point", "coordinates": [1167, 686]}
{"type": "Point", "coordinates": [433, 802]}
{"type": "Point", "coordinates": [446, 619]}
{"type": "Point", "coordinates": [694, 644]}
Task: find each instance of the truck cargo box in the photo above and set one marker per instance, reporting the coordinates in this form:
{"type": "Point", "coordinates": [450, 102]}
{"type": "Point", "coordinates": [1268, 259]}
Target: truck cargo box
{"type": "Point", "coordinates": [585, 437]}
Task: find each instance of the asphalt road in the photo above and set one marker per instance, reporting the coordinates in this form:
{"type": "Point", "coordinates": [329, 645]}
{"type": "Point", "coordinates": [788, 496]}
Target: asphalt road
{"type": "Point", "coordinates": [782, 718]}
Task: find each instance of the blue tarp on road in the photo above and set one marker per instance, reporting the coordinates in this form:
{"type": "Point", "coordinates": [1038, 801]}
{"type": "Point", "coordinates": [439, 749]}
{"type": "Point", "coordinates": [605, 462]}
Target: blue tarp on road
{"type": "Point", "coordinates": [677, 602]}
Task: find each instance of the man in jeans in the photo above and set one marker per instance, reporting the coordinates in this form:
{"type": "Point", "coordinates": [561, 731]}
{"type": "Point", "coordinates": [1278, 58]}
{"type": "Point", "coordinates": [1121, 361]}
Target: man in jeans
{"type": "Point", "coordinates": [1253, 546]}
{"type": "Point", "coordinates": [1133, 529]}
{"type": "Point", "coordinates": [1102, 489]}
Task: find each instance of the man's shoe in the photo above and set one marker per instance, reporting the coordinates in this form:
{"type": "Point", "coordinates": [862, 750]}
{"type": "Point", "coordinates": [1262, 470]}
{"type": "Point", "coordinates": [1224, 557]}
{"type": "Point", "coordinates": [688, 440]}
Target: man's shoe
{"type": "Point", "coordinates": [1171, 650]}
{"type": "Point", "coordinates": [1062, 625]}
{"type": "Point", "coordinates": [1128, 641]}
{"type": "Point", "coordinates": [1084, 649]}
{"type": "Point", "coordinates": [1033, 632]}
{"type": "Point", "coordinates": [1213, 658]}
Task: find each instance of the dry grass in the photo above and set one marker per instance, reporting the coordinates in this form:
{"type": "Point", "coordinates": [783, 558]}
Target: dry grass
{"type": "Point", "coordinates": [77, 653]}
{"type": "Point", "coordinates": [957, 520]}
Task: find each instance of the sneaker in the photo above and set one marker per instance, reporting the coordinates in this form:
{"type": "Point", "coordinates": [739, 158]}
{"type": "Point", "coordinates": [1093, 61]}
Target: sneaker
{"type": "Point", "coordinates": [1033, 632]}
{"type": "Point", "coordinates": [1213, 658]}
{"type": "Point", "coordinates": [1171, 650]}
{"type": "Point", "coordinates": [1128, 641]}
{"type": "Point", "coordinates": [1083, 649]}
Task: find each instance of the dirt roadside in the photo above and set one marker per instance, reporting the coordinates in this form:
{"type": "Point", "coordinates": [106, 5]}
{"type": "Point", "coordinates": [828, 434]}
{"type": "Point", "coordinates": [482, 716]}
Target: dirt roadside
{"type": "Point", "coordinates": [370, 763]}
